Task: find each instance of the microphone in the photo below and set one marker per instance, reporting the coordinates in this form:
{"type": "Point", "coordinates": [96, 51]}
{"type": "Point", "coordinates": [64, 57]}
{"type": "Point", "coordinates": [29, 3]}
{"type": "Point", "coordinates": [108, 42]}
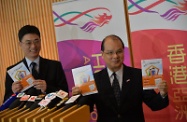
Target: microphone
{"type": "Point", "coordinates": [16, 102]}
{"type": "Point", "coordinates": [35, 104]}
{"type": "Point", "coordinates": [23, 101]}
{"type": "Point", "coordinates": [49, 100]}
{"type": "Point", "coordinates": [61, 104]}
{"type": "Point", "coordinates": [52, 99]}
{"type": "Point", "coordinates": [61, 95]}
{"type": "Point", "coordinates": [30, 102]}
{"type": "Point", "coordinates": [33, 101]}
{"type": "Point", "coordinates": [54, 102]}
{"type": "Point", "coordinates": [71, 102]}
{"type": "Point", "coordinates": [8, 102]}
{"type": "Point", "coordinates": [82, 101]}
{"type": "Point", "coordinates": [20, 104]}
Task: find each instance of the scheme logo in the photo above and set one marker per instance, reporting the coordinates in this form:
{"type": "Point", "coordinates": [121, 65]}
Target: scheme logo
{"type": "Point", "coordinates": [87, 20]}
{"type": "Point", "coordinates": [177, 9]}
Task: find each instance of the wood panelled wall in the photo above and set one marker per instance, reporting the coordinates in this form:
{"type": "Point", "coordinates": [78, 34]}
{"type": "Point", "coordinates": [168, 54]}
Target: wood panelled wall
{"type": "Point", "coordinates": [13, 15]}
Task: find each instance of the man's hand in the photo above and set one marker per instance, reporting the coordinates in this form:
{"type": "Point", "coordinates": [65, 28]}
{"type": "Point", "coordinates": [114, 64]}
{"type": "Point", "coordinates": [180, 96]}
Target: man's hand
{"type": "Point", "coordinates": [40, 85]}
{"type": "Point", "coordinates": [16, 86]}
{"type": "Point", "coordinates": [163, 88]}
{"type": "Point", "coordinates": [76, 90]}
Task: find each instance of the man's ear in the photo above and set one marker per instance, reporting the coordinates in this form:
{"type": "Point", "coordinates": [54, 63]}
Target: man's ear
{"type": "Point", "coordinates": [19, 43]}
{"type": "Point", "coordinates": [102, 53]}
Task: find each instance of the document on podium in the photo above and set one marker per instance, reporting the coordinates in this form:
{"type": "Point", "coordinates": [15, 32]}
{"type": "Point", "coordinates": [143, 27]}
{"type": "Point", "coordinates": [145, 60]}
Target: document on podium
{"type": "Point", "coordinates": [83, 77]}
{"type": "Point", "coordinates": [152, 73]}
{"type": "Point", "coordinates": [21, 73]}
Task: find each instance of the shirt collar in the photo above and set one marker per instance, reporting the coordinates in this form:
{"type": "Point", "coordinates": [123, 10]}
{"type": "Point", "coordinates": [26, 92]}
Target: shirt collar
{"type": "Point", "coordinates": [29, 61]}
{"type": "Point", "coordinates": [118, 73]}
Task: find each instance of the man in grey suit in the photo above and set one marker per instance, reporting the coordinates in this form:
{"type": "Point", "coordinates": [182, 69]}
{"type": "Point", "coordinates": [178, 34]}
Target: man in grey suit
{"type": "Point", "coordinates": [121, 101]}
{"type": "Point", "coordinates": [50, 74]}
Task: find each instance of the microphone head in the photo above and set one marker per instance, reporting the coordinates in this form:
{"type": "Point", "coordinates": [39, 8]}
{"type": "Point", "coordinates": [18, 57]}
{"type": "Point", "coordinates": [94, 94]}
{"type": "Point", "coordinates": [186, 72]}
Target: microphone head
{"type": "Point", "coordinates": [15, 104]}
{"type": "Point", "coordinates": [67, 106]}
{"type": "Point", "coordinates": [8, 102]}
{"type": "Point", "coordinates": [50, 100]}
{"type": "Point", "coordinates": [29, 104]}
{"type": "Point", "coordinates": [22, 104]}
{"type": "Point", "coordinates": [82, 101]}
{"type": "Point", "coordinates": [61, 103]}
{"type": "Point", "coordinates": [54, 102]}
{"type": "Point", "coordinates": [35, 104]}
{"type": "Point", "coordinates": [71, 102]}
{"type": "Point", "coordinates": [32, 91]}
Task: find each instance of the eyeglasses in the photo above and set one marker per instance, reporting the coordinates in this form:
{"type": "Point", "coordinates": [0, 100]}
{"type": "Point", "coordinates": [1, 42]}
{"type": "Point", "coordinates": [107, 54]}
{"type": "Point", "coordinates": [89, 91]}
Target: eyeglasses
{"type": "Point", "coordinates": [111, 53]}
{"type": "Point", "coordinates": [29, 42]}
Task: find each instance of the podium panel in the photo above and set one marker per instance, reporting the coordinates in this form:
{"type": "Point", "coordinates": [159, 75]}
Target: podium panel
{"type": "Point", "coordinates": [80, 115]}
{"type": "Point", "coordinates": [72, 114]}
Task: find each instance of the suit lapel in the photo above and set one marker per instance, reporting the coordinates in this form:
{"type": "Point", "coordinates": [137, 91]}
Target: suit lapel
{"type": "Point", "coordinates": [24, 61]}
{"type": "Point", "coordinates": [126, 85]}
{"type": "Point", "coordinates": [107, 91]}
{"type": "Point", "coordinates": [43, 68]}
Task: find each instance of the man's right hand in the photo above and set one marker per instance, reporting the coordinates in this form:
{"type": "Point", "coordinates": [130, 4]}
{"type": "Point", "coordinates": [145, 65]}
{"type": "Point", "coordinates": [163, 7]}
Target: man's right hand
{"type": "Point", "coordinates": [16, 86]}
{"type": "Point", "coordinates": [76, 90]}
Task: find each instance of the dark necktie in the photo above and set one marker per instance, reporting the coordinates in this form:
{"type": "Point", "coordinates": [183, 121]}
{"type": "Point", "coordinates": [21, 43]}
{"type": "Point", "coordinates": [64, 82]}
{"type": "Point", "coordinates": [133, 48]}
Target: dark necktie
{"type": "Point", "coordinates": [116, 89]}
{"type": "Point", "coordinates": [34, 72]}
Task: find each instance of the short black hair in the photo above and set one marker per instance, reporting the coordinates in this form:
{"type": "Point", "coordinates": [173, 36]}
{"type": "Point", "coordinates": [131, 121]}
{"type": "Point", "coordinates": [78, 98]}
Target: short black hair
{"type": "Point", "coordinates": [113, 36]}
{"type": "Point", "coordinates": [28, 29]}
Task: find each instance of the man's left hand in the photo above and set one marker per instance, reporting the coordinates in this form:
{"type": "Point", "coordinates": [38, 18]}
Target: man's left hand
{"type": "Point", "coordinates": [163, 88]}
{"type": "Point", "coordinates": [40, 84]}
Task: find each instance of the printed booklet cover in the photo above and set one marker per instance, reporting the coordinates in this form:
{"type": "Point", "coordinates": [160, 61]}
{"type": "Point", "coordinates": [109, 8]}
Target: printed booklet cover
{"type": "Point", "coordinates": [83, 77]}
{"type": "Point", "coordinates": [152, 73]}
{"type": "Point", "coordinates": [21, 73]}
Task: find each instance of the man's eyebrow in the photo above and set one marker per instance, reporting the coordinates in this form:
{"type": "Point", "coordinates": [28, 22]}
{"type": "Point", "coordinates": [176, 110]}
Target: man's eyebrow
{"type": "Point", "coordinates": [28, 40]}
{"type": "Point", "coordinates": [31, 40]}
{"type": "Point", "coordinates": [120, 49]}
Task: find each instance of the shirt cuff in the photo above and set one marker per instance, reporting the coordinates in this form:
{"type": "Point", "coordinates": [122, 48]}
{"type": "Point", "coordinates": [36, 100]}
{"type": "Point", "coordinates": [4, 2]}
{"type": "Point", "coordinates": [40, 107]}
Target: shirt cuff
{"type": "Point", "coordinates": [163, 96]}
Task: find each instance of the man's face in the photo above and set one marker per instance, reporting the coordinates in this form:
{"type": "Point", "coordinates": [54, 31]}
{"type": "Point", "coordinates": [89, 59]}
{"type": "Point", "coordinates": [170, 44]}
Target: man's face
{"type": "Point", "coordinates": [31, 46]}
{"type": "Point", "coordinates": [113, 53]}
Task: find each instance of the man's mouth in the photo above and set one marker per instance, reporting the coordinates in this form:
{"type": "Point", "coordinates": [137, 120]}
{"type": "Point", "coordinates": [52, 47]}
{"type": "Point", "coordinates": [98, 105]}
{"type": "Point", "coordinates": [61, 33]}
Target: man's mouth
{"type": "Point", "coordinates": [33, 51]}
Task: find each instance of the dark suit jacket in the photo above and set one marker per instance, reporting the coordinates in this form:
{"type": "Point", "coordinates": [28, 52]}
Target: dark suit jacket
{"type": "Point", "coordinates": [132, 96]}
{"type": "Point", "coordinates": [51, 71]}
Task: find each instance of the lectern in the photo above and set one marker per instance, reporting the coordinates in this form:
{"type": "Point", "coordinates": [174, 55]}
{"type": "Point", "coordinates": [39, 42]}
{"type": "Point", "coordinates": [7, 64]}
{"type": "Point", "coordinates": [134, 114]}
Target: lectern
{"type": "Point", "coordinates": [73, 114]}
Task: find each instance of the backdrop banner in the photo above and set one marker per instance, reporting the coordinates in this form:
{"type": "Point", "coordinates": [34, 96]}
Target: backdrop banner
{"type": "Point", "coordinates": [159, 30]}
{"type": "Point", "coordinates": [80, 26]}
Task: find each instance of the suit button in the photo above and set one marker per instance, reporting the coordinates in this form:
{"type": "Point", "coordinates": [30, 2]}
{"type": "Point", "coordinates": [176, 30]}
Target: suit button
{"type": "Point", "coordinates": [119, 115]}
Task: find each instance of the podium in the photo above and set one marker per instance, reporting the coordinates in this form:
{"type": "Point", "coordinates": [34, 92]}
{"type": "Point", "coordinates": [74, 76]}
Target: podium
{"type": "Point", "coordinates": [73, 114]}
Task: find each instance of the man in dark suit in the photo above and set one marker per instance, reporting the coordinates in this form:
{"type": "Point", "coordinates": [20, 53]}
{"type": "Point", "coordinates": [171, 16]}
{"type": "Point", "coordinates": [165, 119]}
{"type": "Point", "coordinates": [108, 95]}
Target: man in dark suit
{"type": "Point", "coordinates": [50, 75]}
{"type": "Point", "coordinates": [121, 101]}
